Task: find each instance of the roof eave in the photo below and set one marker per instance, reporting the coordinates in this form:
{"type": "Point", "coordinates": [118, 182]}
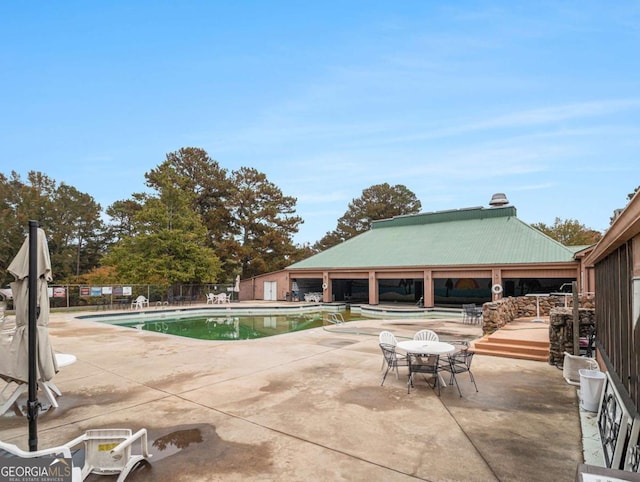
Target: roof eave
{"type": "Point", "coordinates": [624, 227]}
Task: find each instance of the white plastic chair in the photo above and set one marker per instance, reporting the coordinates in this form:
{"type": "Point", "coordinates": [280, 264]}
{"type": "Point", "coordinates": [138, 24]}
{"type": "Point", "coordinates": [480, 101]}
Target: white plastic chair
{"type": "Point", "coordinates": [388, 338]}
{"type": "Point", "coordinates": [139, 303]}
{"type": "Point", "coordinates": [108, 451]}
{"type": "Point", "coordinates": [572, 365]}
{"type": "Point", "coordinates": [223, 298]}
{"type": "Point", "coordinates": [426, 335]}
{"type": "Point", "coordinates": [211, 298]}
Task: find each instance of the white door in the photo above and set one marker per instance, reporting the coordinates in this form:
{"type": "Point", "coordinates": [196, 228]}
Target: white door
{"type": "Point", "coordinates": [270, 291]}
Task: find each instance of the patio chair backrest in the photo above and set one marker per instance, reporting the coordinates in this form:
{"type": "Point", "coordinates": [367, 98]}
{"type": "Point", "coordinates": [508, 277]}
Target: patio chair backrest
{"type": "Point", "coordinates": [388, 338]}
{"type": "Point", "coordinates": [461, 360]}
{"type": "Point", "coordinates": [426, 335]}
{"type": "Point", "coordinates": [429, 364]}
{"type": "Point", "coordinates": [389, 352]}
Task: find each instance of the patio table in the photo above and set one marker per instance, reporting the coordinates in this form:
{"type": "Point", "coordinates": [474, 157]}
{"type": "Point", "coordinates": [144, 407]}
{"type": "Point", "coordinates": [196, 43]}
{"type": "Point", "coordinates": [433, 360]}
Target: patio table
{"type": "Point", "coordinates": [422, 347]}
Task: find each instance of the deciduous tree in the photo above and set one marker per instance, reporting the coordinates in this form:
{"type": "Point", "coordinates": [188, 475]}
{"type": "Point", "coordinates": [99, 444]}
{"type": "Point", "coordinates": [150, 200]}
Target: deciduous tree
{"type": "Point", "coordinates": [168, 244]}
{"type": "Point", "coordinates": [569, 232]}
{"type": "Point", "coordinates": [70, 218]}
{"type": "Point", "coordinates": [380, 201]}
{"type": "Point", "coordinates": [249, 221]}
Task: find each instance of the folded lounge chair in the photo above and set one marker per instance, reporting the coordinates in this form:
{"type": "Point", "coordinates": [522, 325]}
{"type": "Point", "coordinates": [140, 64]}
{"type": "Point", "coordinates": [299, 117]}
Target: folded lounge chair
{"type": "Point", "coordinates": [14, 389]}
{"type": "Point", "coordinates": [107, 452]}
{"type": "Point", "coordinates": [15, 386]}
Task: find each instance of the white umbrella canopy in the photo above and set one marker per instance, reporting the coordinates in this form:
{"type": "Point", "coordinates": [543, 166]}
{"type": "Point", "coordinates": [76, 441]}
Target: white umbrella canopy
{"type": "Point", "coordinates": [19, 350]}
{"type": "Point", "coordinates": [236, 288]}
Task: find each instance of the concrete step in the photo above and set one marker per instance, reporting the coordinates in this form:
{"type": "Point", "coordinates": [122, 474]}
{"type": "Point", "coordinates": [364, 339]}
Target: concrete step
{"type": "Point", "coordinates": [512, 351]}
{"type": "Point", "coordinates": [513, 354]}
{"type": "Point", "coordinates": [512, 348]}
{"type": "Point", "coordinates": [502, 340]}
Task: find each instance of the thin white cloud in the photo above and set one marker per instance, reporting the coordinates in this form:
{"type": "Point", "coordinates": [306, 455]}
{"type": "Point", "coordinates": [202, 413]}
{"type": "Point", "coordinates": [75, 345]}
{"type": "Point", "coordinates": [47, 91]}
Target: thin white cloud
{"type": "Point", "coordinates": [554, 114]}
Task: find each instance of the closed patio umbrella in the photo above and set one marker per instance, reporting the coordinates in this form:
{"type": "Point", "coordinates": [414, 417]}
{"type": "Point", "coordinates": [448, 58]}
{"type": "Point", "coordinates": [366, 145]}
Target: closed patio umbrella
{"type": "Point", "coordinates": [32, 309]}
{"type": "Point", "coordinates": [19, 268]}
{"type": "Point", "coordinates": [236, 286]}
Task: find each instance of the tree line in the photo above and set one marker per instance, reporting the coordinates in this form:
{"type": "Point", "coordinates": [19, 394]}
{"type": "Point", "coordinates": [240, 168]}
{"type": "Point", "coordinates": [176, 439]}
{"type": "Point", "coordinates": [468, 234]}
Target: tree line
{"type": "Point", "coordinates": [199, 223]}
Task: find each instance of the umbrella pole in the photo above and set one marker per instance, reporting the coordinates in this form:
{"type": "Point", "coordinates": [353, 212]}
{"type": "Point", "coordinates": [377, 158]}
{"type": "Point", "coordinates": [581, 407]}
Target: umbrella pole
{"type": "Point", "coordinates": [32, 403]}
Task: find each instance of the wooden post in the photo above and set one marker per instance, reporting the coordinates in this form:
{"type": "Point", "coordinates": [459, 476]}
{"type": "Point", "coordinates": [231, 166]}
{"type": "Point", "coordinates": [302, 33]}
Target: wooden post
{"type": "Point", "coordinates": [576, 318]}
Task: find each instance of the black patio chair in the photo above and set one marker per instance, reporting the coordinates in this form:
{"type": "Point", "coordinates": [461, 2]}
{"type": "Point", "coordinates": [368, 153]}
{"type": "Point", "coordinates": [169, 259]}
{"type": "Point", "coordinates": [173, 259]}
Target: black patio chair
{"type": "Point", "coordinates": [392, 359]}
{"type": "Point", "coordinates": [471, 313]}
{"type": "Point", "coordinates": [427, 365]}
{"type": "Point", "coordinates": [459, 362]}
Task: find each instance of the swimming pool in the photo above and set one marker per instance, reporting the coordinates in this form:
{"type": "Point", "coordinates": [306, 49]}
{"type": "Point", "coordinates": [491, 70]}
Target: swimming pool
{"type": "Point", "coordinates": [220, 324]}
{"type": "Point", "coordinates": [253, 321]}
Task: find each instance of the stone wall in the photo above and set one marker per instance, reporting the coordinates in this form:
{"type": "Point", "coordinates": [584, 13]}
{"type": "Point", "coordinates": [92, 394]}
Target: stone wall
{"type": "Point", "coordinates": [497, 314]}
{"type": "Point", "coordinates": [561, 331]}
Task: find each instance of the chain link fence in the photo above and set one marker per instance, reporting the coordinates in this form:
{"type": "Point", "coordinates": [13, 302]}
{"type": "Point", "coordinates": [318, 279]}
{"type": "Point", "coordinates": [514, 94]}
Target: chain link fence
{"type": "Point", "coordinates": [121, 296]}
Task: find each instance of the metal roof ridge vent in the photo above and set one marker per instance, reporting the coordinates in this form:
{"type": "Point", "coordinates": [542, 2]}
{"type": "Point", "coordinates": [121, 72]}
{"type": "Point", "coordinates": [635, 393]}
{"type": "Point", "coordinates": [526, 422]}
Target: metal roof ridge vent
{"type": "Point", "coordinates": [462, 214]}
{"type": "Point", "coordinates": [429, 213]}
{"type": "Point", "coordinates": [424, 214]}
{"type": "Point", "coordinates": [498, 200]}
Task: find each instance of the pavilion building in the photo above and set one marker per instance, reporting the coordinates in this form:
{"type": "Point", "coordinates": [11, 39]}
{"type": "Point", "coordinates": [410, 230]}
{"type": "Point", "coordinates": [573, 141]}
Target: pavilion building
{"type": "Point", "coordinates": [444, 258]}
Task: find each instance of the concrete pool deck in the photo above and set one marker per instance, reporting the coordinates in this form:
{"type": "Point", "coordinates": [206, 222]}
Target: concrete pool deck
{"type": "Point", "coordinates": [308, 406]}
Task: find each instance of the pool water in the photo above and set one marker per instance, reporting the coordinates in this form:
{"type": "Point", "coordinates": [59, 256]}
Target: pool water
{"type": "Point", "coordinates": [234, 327]}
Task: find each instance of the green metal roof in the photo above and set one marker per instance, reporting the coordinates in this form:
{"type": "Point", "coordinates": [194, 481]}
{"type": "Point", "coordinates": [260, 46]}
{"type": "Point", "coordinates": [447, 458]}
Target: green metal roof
{"type": "Point", "coordinates": [474, 236]}
{"type": "Point", "coordinates": [577, 249]}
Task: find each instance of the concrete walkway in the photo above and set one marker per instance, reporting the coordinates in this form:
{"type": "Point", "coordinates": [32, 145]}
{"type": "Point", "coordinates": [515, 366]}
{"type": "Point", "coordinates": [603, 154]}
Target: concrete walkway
{"type": "Point", "coordinates": [308, 406]}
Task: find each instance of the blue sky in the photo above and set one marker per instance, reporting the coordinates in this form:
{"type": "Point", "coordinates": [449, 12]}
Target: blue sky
{"type": "Point", "coordinates": [455, 100]}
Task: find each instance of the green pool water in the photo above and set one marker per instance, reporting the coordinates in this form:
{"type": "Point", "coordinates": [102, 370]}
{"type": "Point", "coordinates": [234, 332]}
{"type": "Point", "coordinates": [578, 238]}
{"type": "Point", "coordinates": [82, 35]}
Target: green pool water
{"type": "Point", "coordinates": [234, 327]}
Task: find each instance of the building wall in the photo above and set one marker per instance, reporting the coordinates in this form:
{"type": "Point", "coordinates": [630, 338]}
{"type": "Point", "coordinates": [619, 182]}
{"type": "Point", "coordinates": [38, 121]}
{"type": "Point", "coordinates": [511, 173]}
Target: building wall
{"type": "Point", "coordinates": [253, 288]}
{"type": "Point", "coordinates": [616, 261]}
{"type": "Point", "coordinates": [618, 339]}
